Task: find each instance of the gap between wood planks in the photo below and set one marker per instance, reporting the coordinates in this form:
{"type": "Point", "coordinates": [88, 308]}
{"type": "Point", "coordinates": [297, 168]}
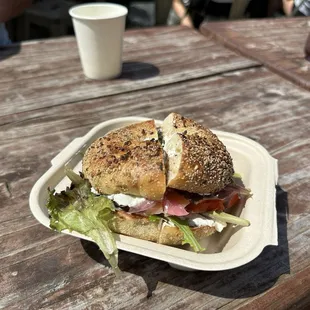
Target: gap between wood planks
{"type": "Point", "coordinates": [210, 75]}
{"type": "Point", "coordinates": [72, 240]}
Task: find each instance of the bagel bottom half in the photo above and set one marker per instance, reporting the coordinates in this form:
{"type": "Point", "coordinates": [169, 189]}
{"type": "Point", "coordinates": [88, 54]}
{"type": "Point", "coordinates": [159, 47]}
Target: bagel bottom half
{"type": "Point", "coordinates": [139, 226]}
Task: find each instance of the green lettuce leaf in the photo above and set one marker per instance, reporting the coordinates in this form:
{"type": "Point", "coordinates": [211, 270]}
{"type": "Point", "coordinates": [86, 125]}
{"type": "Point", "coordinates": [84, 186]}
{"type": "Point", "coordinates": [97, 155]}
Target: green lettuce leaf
{"type": "Point", "coordinates": [154, 218]}
{"type": "Point", "coordinates": [237, 175]}
{"type": "Point", "coordinates": [188, 234]}
{"type": "Point", "coordinates": [184, 227]}
{"type": "Point", "coordinates": [228, 218]}
{"type": "Point", "coordinates": [78, 209]}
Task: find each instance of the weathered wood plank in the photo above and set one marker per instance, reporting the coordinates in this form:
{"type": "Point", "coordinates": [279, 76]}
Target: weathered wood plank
{"type": "Point", "coordinates": [67, 266]}
{"type": "Point", "coordinates": [52, 105]}
{"type": "Point", "coordinates": [48, 73]}
{"type": "Point", "coordinates": [170, 287]}
{"type": "Point", "coordinates": [277, 43]}
{"type": "Point", "coordinates": [283, 296]}
{"type": "Point", "coordinates": [52, 75]}
{"type": "Point", "coordinates": [43, 269]}
{"type": "Point", "coordinates": [29, 249]}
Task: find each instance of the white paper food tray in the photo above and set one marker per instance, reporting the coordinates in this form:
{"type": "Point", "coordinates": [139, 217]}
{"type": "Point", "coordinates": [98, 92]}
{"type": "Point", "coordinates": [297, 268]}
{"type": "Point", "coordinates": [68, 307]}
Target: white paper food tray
{"type": "Point", "coordinates": [231, 248]}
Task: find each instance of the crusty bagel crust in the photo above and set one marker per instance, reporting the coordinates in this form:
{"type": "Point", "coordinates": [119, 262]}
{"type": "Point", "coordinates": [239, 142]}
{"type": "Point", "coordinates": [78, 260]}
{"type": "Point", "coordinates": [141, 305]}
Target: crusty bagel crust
{"type": "Point", "coordinates": [173, 235]}
{"type": "Point", "coordinates": [129, 160]}
{"type": "Point", "coordinates": [139, 226]}
{"type": "Point", "coordinates": [198, 161]}
{"type": "Point", "coordinates": [134, 225]}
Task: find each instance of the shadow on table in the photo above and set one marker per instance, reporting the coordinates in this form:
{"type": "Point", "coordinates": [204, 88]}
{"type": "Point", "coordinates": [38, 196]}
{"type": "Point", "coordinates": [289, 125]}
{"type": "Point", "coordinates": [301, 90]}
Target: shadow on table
{"type": "Point", "coordinates": [136, 70]}
{"type": "Point", "coordinates": [7, 51]}
{"type": "Point", "coordinates": [245, 281]}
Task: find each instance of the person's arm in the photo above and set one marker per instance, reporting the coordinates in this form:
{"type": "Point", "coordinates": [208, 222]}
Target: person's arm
{"type": "Point", "coordinates": [12, 8]}
{"type": "Point", "coordinates": [180, 11]}
{"type": "Point", "coordinates": [288, 6]}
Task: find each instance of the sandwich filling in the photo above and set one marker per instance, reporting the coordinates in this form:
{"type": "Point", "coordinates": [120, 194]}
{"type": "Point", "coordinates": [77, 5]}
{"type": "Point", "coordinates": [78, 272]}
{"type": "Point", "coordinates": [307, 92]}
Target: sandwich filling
{"type": "Point", "coordinates": [127, 200]}
{"type": "Point", "coordinates": [196, 210]}
{"type": "Point", "coordinates": [137, 205]}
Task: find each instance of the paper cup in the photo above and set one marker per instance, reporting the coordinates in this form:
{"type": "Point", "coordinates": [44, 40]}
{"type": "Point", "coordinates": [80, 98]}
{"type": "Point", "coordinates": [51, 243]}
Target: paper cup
{"type": "Point", "coordinates": [99, 29]}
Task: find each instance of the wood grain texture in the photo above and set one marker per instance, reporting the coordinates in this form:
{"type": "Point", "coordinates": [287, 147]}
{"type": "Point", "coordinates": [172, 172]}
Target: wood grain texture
{"type": "Point", "coordinates": [277, 43]}
{"type": "Point", "coordinates": [41, 269]}
{"type": "Point", "coordinates": [48, 73]}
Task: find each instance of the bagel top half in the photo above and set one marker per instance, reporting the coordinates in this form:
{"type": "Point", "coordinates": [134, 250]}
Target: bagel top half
{"type": "Point", "coordinates": [132, 160]}
{"type": "Point", "coordinates": [129, 160]}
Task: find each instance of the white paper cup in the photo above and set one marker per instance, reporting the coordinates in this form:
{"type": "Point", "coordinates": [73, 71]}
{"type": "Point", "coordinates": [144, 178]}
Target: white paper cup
{"type": "Point", "coordinates": [99, 29]}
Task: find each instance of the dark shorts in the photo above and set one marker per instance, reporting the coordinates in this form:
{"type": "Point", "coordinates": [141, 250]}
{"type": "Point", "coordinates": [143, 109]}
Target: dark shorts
{"type": "Point", "coordinates": [214, 10]}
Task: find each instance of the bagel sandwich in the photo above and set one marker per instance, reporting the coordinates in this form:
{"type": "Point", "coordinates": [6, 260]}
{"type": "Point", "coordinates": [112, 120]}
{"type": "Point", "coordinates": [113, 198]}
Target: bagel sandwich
{"type": "Point", "coordinates": [172, 184]}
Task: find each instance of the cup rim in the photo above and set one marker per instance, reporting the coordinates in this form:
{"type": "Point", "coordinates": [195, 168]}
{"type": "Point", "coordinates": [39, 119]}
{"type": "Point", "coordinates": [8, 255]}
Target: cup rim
{"type": "Point", "coordinates": [123, 10]}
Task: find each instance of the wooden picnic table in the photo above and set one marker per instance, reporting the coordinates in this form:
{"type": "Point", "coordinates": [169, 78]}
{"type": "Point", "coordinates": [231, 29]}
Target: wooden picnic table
{"type": "Point", "coordinates": [46, 102]}
{"type": "Point", "coordinates": [277, 43]}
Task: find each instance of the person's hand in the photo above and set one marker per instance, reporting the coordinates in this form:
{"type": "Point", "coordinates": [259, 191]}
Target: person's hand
{"type": "Point", "coordinates": [307, 48]}
{"type": "Point", "coordinates": [187, 21]}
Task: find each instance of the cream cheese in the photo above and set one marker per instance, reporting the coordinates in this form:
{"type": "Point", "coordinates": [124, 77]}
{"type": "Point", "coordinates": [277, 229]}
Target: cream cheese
{"type": "Point", "coordinates": [94, 191]}
{"type": "Point", "coordinates": [126, 200]}
{"type": "Point", "coordinates": [198, 220]}
{"type": "Point", "coordinates": [170, 153]}
{"type": "Point", "coordinates": [167, 138]}
{"type": "Point", "coordinates": [168, 223]}
{"type": "Point", "coordinates": [150, 138]}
